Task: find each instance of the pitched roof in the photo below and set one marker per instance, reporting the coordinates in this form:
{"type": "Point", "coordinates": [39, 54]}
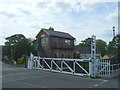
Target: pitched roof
{"type": "Point", "coordinates": [57, 33]}
{"type": "Point", "coordinates": [106, 57]}
{"type": "Point", "coordinates": [84, 49]}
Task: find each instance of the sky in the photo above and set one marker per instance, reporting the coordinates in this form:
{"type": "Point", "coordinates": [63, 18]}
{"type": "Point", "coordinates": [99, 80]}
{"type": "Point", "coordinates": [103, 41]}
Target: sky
{"type": "Point", "coordinates": [80, 18]}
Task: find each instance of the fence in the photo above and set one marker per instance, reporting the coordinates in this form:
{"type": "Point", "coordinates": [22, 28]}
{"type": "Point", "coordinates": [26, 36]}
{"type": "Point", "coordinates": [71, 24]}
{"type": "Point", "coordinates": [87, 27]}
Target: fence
{"type": "Point", "coordinates": [115, 67]}
{"type": "Point", "coordinates": [80, 67]}
{"type": "Point", "coordinates": [103, 67]}
{"type": "Point", "coordinates": [69, 66]}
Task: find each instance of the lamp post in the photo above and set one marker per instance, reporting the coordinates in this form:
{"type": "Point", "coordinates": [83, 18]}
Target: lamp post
{"type": "Point", "coordinates": [113, 31]}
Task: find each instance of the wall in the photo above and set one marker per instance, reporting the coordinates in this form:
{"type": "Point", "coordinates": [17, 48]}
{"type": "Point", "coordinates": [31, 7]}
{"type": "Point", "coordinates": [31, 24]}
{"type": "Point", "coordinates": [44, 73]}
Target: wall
{"type": "Point", "coordinates": [62, 53]}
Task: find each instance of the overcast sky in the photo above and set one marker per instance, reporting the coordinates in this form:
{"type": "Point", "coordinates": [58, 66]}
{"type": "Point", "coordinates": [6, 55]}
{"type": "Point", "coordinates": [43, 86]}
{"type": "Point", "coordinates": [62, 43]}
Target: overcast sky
{"type": "Point", "coordinates": [79, 18]}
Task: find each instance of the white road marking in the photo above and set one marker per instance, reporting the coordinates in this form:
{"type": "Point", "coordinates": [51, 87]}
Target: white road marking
{"type": "Point", "coordinates": [100, 83]}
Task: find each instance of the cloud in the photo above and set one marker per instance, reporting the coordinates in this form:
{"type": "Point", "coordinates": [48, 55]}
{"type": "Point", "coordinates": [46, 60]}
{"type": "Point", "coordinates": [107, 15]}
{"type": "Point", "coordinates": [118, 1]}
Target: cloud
{"type": "Point", "coordinates": [106, 35]}
{"type": "Point", "coordinates": [80, 19]}
{"type": "Point", "coordinates": [88, 6]}
{"type": "Point", "coordinates": [41, 4]}
{"type": "Point", "coordinates": [8, 14]}
{"type": "Point", "coordinates": [26, 12]}
{"type": "Point", "coordinates": [67, 6]}
{"type": "Point", "coordinates": [113, 15]}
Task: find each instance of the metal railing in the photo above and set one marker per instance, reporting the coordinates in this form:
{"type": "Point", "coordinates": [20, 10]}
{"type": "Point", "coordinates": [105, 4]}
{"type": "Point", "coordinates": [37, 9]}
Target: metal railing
{"type": "Point", "coordinates": [115, 67]}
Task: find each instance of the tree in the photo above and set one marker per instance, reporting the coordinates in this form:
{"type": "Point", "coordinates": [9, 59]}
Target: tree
{"type": "Point", "coordinates": [10, 43]}
{"type": "Point", "coordinates": [101, 45]}
{"type": "Point", "coordinates": [86, 42]}
{"type": "Point", "coordinates": [12, 40]}
{"type": "Point", "coordinates": [114, 46]}
{"type": "Point", "coordinates": [23, 47]}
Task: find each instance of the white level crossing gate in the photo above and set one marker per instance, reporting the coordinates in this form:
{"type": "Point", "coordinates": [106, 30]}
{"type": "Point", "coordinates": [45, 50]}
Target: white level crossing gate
{"type": "Point", "coordinates": [103, 67]}
{"type": "Point", "coordinates": [62, 65]}
{"type": "Point", "coordinates": [83, 67]}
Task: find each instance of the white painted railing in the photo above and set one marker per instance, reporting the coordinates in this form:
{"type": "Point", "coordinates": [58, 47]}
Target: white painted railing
{"type": "Point", "coordinates": [62, 65]}
{"type": "Point", "coordinates": [103, 67]}
{"type": "Point", "coordinates": [115, 67]}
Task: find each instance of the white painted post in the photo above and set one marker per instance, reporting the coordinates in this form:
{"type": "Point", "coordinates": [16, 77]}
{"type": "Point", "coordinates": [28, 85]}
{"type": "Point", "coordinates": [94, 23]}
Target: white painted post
{"type": "Point", "coordinates": [28, 64]}
{"type": "Point", "coordinates": [74, 66]}
{"type": "Point", "coordinates": [51, 64]}
{"type": "Point", "coordinates": [97, 66]}
{"type": "Point", "coordinates": [93, 66]}
{"type": "Point", "coordinates": [105, 68]}
{"type": "Point", "coordinates": [61, 65]}
{"type": "Point", "coordinates": [90, 67]}
{"type": "Point", "coordinates": [109, 68]}
{"type": "Point", "coordinates": [31, 61]}
{"type": "Point", "coordinates": [102, 61]}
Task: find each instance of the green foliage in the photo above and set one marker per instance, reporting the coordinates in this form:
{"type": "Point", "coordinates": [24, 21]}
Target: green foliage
{"type": "Point", "coordinates": [86, 42]}
{"type": "Point", "coordinates": [23, 47]}
{"type": "Point", "coordinates": [114, 46]}
{"type": "Point", "coordinates": [6, 51]}
{"type": "Point", "coordinates": [10, 44]}
{"type": "Point", "coordinates": [101, 45]}
{"type": "Point", "coordinates": [17, 46]}
{"type": "Point", "coordinates": [14, 39]}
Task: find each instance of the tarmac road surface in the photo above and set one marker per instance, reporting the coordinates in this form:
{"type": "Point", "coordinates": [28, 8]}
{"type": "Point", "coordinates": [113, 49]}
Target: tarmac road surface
{"type": "Point", "coordinates": [19, 77]}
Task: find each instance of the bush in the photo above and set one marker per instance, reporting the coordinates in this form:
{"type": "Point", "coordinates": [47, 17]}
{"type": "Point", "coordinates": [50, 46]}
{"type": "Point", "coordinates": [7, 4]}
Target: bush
{"type": "Point", "coordinates": [21, 60]}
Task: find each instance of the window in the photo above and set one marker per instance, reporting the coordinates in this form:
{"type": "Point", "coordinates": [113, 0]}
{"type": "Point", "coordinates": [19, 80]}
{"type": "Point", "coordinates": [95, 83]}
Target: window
{"type": "Point", "coordinates": [44, 40]}
{"type": "Point", "coordinates": [67, 42]}
{"type": "Point", "coordinates": [55, 42]}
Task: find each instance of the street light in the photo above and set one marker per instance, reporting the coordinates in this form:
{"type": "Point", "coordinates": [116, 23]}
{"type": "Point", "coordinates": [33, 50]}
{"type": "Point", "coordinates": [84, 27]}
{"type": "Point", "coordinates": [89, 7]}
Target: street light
{"type": "Point", "coordinates": [113, 31]}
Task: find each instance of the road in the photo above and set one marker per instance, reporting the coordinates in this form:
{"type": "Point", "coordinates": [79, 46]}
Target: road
{"type": "Point", "coordinates": [0, 75]}
{"type": "Point", "coordinates": [19, 77]}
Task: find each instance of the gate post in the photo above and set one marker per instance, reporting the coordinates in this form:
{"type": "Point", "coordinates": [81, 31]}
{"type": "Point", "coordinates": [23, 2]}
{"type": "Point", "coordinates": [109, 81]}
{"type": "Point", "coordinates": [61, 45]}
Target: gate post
{"type": "Point", "coordinates": [30, 62]}
{"type": "Point", "coordinates": [92, 63]}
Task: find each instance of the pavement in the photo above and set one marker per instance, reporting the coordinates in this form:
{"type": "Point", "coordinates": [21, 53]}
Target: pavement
{"type": "Point", "coordinates": [20, 77]}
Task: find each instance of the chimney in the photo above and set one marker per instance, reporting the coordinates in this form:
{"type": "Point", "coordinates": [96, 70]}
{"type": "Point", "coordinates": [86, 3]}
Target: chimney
{"type": "Point", "coordinates": [51, 28]}
{"type": "Point", "coordinates": [113, 31]}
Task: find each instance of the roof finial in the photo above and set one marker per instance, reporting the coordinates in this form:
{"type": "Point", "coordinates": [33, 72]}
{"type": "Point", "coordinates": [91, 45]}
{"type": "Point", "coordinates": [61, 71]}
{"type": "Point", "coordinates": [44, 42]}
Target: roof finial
{"type": "Point", "coordinates": [51, 28]}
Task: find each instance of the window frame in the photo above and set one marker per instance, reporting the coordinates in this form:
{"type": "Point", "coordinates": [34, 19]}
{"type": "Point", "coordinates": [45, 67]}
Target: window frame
{"type": "Point", "coordinates": [67, 42]}
{"type": "Point", "coordinates": [44, 40]}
